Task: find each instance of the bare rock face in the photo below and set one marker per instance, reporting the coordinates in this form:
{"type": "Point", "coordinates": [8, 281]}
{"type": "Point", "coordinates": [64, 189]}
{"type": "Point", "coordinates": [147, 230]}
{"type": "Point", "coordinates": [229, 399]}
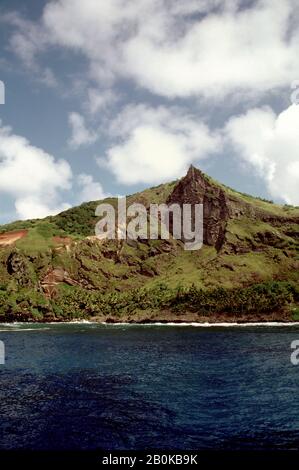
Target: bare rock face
{"type": "Point", "coordinates": [195, 188]}
{"type": "Point", "coordinates": [53, 277]}
{"type": "Point", "coordinates": [18, 266]}
{"type": "Point", "coordinates": [15, 263]}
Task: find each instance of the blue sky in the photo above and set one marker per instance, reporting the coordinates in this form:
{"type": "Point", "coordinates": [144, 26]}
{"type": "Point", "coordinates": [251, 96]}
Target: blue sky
{"type": "Point", "coordinates": [110, 97]}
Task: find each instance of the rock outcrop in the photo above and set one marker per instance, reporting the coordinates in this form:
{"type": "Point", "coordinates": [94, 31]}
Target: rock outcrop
{"type": "Point", "coordinates": [195, 188]}
{"type": "Point", "coordinates": [18, 266]}
{"type": "Point", "coordinates": [53, 278]}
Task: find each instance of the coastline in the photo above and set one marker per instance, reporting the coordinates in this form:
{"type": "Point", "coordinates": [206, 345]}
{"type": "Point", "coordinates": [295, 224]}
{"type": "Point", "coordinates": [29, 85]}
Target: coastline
{"type": "Point", "coordinates": [177, 324]}
{"type": "Point", "coordinates": [166, 317]}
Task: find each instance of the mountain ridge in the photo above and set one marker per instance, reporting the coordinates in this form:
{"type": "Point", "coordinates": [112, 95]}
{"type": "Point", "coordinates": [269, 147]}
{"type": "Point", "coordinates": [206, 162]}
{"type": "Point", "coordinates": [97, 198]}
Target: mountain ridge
{"type": "Point", "coordinates": [247, 241]}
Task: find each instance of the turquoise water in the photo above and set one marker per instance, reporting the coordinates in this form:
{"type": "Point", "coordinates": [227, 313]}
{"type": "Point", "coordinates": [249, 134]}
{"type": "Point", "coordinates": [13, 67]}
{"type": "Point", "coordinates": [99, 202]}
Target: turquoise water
{"type": "Point", "coordinates": [86, 386]}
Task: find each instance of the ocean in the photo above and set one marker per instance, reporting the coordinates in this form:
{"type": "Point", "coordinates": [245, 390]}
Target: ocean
{"type": "Point", "coordinates": [137, 387]}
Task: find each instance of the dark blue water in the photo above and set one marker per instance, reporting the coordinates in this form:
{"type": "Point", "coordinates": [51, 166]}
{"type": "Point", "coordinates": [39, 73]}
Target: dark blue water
{"type": "Point", "coordinates": [145, 387]}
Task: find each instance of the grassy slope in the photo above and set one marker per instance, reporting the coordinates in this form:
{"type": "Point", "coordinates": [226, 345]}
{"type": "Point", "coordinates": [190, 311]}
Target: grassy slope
{"type": "Point", "coordinates": [106, 268]}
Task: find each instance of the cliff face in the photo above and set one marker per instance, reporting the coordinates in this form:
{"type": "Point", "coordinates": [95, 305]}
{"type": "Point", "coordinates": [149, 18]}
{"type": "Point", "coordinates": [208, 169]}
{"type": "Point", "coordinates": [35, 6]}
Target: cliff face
{"type": "Point", "coordinates": [195, 188]}
{"type": "Point", "coordinates": [223, 208]}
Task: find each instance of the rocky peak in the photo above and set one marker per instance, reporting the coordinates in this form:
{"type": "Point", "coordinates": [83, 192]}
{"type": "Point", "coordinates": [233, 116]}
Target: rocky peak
{"type": "Point", "coordinates": [195, 188]}
{"type": "Point", "coordinates": [191, 188]}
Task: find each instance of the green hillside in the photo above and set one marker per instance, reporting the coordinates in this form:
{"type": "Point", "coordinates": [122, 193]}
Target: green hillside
{"type": "Point", "coordinates": [247, 268]}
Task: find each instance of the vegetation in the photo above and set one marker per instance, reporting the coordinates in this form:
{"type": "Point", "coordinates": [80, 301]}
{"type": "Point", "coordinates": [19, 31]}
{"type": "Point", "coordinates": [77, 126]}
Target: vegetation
{"type": "Point", "coordinates": [74, 303]}
{"type": "Point", "coordinates": [59, 271]}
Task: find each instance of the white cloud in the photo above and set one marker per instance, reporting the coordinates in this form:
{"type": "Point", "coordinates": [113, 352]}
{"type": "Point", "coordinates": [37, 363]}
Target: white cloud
{"type": "Point", "coordinates": [31, 176]}
{"type": "Point", "coordinates": [99, 100]}
{"type": "Point", "coordinates": [80, 134]}
{"type": "Point", "coordinates": [90, 190]}
{"type": "Point", "coordinates": [28, 41]}
{"type": "Point", "coordinates": [270, 144]}
{"type": "Point", "coordinates": [156, 144]}
{"type": "Point", "coordinates": [174, 48]}
{"type": "Point", "coordinates": [33, 207]}
{"type": "Point", "coordinates": [220, 54]}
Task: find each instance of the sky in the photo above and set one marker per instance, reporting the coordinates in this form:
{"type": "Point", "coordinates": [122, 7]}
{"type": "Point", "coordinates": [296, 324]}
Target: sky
{"type": "Point", "coordinates": [108, 97]}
